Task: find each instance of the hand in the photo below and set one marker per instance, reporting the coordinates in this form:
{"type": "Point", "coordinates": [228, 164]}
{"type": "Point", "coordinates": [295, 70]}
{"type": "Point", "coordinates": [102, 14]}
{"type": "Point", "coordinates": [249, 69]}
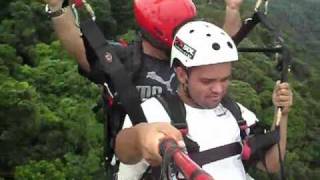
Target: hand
{"type": "Point", "coordinates": [150, 136]}
{"type": "Point", "coordinates": [282, 96]}
{"type": "Point", "coordinates": [233, 4]}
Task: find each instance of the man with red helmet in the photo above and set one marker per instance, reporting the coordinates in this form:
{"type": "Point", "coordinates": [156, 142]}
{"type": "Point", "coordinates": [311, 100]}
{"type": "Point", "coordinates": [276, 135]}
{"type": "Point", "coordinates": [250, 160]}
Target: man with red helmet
{"type": "Point", "coordinates": [157, 20]}
{"type": "Point", "coordinates": [166, 17]}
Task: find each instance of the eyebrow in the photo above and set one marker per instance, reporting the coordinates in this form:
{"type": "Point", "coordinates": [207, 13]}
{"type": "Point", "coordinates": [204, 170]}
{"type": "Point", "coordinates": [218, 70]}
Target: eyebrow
{"type": "Point", "coordinates": [224, 78]}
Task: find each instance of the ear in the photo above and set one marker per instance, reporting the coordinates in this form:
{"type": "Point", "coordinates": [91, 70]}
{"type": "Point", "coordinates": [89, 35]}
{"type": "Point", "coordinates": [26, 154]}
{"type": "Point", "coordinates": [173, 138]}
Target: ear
{"type": "Point", "coordinates": [182, 75]}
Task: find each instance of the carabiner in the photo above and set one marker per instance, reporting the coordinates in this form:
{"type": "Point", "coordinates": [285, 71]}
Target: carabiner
{"type": "Point", "coordinates": [75, 14]}
{"type": "Point", "coordinates": [258, 4]}
{"type": "Point", "coordinates": [89, 9]}
{"type": "Point", "coordinates": [79, 3]}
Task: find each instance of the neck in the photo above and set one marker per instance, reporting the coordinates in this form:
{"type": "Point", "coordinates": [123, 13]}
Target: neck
{"type": "Point", "coordinates": [152, 51]}
{"type": "Point", "coordinates": [185, 97]}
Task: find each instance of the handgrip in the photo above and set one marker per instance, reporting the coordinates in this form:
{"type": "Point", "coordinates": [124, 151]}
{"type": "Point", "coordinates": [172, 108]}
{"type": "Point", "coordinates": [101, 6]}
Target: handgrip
{"type": "Point", "coordinates": [189, 169]}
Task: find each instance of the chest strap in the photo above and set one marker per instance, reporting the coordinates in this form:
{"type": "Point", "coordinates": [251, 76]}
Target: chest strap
{"type": "Point", "coordinates": [216, 154]}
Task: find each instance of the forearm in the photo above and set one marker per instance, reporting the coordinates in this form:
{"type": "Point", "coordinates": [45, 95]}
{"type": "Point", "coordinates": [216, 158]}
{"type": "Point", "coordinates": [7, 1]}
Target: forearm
{"type": "Point", "coordinates": [127, 146]}
{"type": "Point", "coordinates": [272, 155]}
{"type": "Point", "coordinates": [70, 37]}
{"type": "Point", "coordinates": [232, 21]}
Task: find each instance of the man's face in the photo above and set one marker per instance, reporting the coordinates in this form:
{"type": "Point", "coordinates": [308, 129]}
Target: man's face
{"type": "Point", "coordinates": [208, 84]}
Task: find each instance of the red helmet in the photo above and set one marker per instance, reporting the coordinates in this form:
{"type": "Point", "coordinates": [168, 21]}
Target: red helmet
{"type": "Point", "coordinates": [158, 19]}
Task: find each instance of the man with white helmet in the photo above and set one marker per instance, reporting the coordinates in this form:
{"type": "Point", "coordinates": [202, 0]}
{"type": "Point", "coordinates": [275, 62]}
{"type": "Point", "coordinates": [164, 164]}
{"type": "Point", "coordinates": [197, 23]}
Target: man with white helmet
{"type": "Point", "coordinates": [202, 56]}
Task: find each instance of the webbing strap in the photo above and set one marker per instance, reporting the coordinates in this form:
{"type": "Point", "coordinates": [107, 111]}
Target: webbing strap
{"type": "Point", "coordinates": [246, 28]}
{"type": "Point", "coordinates": [233, 107]}
{"type": "Point", "coordinates": [175, 109]}
{"type": "Point", "coordinates": [111, 65]}
{"type": "Point", "coordinates": [250, 23]}
{"type": "Point", "coordinates": [263, 141]}
{"type": "Point", "coordinates": [215, 154]}
{"type": "Point", "coordinates": [235, 110]}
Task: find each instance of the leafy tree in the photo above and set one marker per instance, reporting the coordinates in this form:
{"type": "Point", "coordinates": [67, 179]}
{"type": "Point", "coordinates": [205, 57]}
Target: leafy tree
{"type": "Point", "coordinates": [123, 14]}
{"type": "Point", "coordinates": [19, 114]}
{"type": "Point", "coordinates": [41, 170]}
{"type": "Point", "coordinates": [25, 26]}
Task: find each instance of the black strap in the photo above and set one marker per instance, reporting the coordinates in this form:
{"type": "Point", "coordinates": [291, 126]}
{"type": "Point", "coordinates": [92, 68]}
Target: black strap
{"type": "Point", "coordinates": [246, 28]}
{"type": "Point", "coordinates": [111, 65]}
{"type": "Point", "coordinates": [263, 141]}
{"type": "Point", "coordinates": [233, 107]}
{"type": "Point", "coordinates": [250, 23]}
{"type": "Point", "coordinates": [215, 154]}
{"type": "Point", "coordinates": [177, 113]}
{"type": "Point", "coordinates": [175, 109]}
{"type": "Point", "coordinates": [235, 110]}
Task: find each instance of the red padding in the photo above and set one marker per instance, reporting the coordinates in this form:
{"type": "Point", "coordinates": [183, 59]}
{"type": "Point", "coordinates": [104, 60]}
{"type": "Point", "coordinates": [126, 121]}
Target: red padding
{"type": "Point", "coordinates": [246, 151]}
{"type": "Point", "coordinates": [78, 3]}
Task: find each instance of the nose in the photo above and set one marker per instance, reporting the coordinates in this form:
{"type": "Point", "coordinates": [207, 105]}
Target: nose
{"type": "Point", "coordinates": [217, 88]}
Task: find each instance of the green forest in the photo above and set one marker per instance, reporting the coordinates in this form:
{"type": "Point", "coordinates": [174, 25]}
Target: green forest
{"type": "Point", "coordinates": [48, 129]}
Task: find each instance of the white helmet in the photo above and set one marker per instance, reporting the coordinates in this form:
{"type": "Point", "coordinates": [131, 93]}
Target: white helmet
{"type": "Point", "coordinates": [200, 43]}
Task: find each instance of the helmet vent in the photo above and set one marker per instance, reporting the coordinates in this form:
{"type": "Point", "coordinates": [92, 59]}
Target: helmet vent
{"type": "Point", "coordinates": [229, 44]}
{"type": "Point", "coordinates": [223, 33]}
{"type": "Point", "coordinates": [208, 35]}
{"type": "Point", "coordinates": [215, 46]}
{"type": "Point", "coordinates": [191, 31]}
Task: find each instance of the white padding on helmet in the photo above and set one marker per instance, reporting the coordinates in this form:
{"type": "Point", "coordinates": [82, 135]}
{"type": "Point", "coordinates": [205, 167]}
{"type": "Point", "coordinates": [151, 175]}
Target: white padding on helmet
{"type": "Point", "coordinates": [200, 43]}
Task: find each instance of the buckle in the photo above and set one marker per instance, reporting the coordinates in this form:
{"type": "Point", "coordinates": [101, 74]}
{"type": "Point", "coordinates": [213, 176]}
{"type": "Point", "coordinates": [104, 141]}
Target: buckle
{"type": "Point", "coordinates": [258, 4]}
{"type": "Point", "coordinates": [53, 14]}
{"type": "Point", "coordinates": [108, 93]}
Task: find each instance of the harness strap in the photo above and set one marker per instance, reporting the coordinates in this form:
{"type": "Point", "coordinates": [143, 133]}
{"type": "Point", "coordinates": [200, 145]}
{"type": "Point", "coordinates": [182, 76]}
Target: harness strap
{"type": "Point", "coordinates": [259, 142]}
{"type": "Point", "coordinates": [175, 109]}
{"type": "Point", "coordinates": [250, 23]}
{"type": "Point", "coordinates": [246, 28]}
{"type": "Point", "coordinates": [111, 65]}
{"type": "Point", "coordinates": [262, 141]}
{"type": "Point", "coordinates": [235, 110]}
{"type": "Point", "coordinates": [215, 154]}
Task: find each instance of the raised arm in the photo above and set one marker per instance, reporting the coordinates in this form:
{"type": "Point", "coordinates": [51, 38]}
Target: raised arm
{"type": "Point", "coordinates": [282, 97]}
{"type": "Point", "coordinates": [232, 22]}
{"type": "Point", "coordinates": [68, 33]}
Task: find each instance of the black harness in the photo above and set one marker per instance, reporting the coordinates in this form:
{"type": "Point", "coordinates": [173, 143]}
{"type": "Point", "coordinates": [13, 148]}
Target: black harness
{"type": "Point", "coordinates": [177, 113]}
{"type": "Point", "coordinates": [120, 95]}
{"type": "Point", "coordinates": [251, 148]}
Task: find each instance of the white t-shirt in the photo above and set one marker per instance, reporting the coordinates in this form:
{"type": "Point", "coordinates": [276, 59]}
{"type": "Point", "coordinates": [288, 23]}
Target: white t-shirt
{"type": "Point", "coordinates": [210, 128]}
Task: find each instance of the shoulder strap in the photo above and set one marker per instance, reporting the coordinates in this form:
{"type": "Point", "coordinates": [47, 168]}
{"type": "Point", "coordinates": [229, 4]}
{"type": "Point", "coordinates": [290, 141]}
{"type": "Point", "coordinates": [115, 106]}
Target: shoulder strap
{"type": "Point", "coordinates": [235, 110]}
{"type": "Point", "coordinates": [136, 56]}
{"type": "Point", "coordinates": [175, 109]}
{"type": "Point", "coordinates": [111, 65]}
{"type": "Point", "coordinates": [131, 56]}
{"type": "Point", "coordinates": [233, 107]}
{"type": "Point", "coordinates": [177, 113]}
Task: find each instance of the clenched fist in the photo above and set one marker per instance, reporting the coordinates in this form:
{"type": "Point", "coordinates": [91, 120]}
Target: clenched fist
{"type": "Point", "coordinates": [282, 96]}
